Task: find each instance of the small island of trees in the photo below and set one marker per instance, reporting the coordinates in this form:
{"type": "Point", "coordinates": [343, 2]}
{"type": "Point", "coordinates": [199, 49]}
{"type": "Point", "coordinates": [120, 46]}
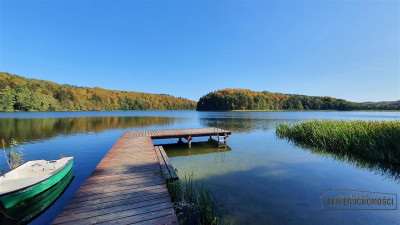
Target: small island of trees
{"type": "Point", "coordinates": [244, 99]}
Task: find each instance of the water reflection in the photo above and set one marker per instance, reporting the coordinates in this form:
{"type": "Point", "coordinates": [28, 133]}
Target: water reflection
{"type": "Point", "coordinates": [386, 169]}
{"type": "Point", "coordinates": [240, 125]}
{"type": "Point", "coordinates": [33, 207]}
{"type": "Point", "coordinates": [33, 129]}
{"type": "Point", "coordinates": [198, 148]}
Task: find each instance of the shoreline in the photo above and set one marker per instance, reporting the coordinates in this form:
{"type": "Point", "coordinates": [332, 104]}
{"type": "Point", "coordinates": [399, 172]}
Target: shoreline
{"type": "Point", "coordinates": [237, 110]}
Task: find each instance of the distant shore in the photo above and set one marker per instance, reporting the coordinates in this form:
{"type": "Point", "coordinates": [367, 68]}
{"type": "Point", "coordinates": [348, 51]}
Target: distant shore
{"type": "Point", "coordinates": [328, 110]}
{"type": "Point", "coordinates": [246, 110]}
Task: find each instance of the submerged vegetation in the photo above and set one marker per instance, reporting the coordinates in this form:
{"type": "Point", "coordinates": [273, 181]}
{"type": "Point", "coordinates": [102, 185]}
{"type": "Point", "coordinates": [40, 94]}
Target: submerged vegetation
{"type": "Point", "coordinates": [243, 99]}
{"type": "Point", "coordinates": [371, 144]}
{"type": "Point", "coordinates": [193, 203]}
{"type": "Point", "coordinates": [20, 93]}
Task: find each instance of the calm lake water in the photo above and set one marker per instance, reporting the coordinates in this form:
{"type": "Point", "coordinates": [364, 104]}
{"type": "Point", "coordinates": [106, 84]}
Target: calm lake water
{"type": "Point", "coordinates": [258, 179]}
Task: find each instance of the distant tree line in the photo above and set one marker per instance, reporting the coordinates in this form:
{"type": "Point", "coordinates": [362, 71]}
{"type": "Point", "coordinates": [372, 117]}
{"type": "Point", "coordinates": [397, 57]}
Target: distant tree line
{"type": "Point", "coordinates": [243, 99]}
{"type": "Point", "coordinates": [19, 93]}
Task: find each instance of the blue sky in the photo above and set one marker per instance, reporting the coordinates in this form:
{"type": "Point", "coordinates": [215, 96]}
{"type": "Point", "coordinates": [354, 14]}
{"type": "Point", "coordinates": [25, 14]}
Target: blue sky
{"type": "Point", "coordinates": [344, 49]}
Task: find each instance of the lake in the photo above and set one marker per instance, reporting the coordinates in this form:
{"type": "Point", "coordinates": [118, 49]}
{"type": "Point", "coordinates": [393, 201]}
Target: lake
{"type": "Point", "coordinates": [257, 179]}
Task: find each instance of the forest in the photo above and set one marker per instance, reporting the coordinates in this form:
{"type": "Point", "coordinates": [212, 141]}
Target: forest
{"type": "Point", "coordinates": [18, 93]}
{"type": "Point", "coordinates": [244, 99]}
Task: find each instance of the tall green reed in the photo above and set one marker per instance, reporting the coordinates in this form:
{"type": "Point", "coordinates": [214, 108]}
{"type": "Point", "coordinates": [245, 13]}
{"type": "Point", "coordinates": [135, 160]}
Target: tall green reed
{"type": "Point", "coordinates": [375, 140]}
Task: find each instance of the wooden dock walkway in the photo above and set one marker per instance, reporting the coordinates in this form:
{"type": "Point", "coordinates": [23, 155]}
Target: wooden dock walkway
{"type": "Point", "coordinates": [128, 185]}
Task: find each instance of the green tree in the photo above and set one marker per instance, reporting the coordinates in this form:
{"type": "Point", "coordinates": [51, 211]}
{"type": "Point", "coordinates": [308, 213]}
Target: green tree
{"type": "Point", "coordinates": [7, 99]}
{"type": "Point", "coordinates": [23, 98]}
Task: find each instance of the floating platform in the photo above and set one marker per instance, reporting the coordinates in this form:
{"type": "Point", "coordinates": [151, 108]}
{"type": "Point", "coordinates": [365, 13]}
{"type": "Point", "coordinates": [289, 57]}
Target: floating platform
{"type": "Point", "coordinates": [129, 184]}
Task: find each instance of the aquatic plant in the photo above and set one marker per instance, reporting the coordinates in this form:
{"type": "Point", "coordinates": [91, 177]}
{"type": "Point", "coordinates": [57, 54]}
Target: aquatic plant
{"type": "Point", "coordinates": [374, 141]}
{"type": "Point", "coordinates": [193, 203]}
{"type": "Point", "coordinates": [14, 157]}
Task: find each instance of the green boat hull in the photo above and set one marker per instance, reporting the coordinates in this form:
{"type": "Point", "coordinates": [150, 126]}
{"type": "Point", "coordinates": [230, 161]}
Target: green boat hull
{"type": "Point", "coordinates": [16, 197]}
{"type": "Point", "coordinates": [26, 211]}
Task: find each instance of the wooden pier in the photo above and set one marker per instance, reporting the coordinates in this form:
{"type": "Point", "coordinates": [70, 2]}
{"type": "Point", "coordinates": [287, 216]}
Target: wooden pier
{"type": "Point", "coordinates": [128, 185]}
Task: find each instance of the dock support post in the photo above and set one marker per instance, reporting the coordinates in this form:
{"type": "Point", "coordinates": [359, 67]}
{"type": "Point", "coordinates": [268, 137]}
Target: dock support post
{"type": "Point", "coordinates": [224, 140]}
{"type": "Point", "coordinates": [180, 141]}
{"type": "Point", "coordinates": [190, 141]}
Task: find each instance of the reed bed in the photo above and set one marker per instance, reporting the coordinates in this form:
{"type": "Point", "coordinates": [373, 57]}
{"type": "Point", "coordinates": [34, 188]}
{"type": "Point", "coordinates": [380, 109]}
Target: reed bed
{"type": "Point", "coordinates": [193, 203]}
{"type": "Point", "coordinates": [374, 140]}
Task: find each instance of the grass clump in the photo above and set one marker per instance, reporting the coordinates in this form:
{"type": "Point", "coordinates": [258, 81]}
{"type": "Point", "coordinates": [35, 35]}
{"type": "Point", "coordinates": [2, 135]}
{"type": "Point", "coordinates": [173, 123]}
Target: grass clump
{"type": "Point", "coordinates": [374, 140]}
{"type": "Point", "coordinates": [193, 203]}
